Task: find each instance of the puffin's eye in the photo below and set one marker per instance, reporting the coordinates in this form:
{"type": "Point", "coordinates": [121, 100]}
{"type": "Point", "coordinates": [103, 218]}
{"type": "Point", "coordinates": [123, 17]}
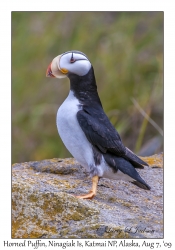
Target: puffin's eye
{"type": "Point", "coordinates": [72, 60]}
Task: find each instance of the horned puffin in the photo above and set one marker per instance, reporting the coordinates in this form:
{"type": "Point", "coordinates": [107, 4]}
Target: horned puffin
{"type": "Point", "coordinates": [86, 130]}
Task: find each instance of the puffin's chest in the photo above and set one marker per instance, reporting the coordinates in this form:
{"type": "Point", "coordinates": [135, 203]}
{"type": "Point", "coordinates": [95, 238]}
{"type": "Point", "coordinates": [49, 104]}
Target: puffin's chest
{"type": "Point", "coordinates": [70, 131]}
{"type": "Point", "coordinates": [67, 122]}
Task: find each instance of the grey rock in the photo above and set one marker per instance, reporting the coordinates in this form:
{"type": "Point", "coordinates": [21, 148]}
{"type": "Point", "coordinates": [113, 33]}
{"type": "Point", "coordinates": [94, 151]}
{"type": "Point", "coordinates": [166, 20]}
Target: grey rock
{"type": "Point", "coordinates": [44, 206]}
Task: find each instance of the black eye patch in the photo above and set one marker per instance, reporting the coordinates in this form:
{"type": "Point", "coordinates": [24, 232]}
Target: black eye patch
{"type": "Point", "coordinates": [72, 60]}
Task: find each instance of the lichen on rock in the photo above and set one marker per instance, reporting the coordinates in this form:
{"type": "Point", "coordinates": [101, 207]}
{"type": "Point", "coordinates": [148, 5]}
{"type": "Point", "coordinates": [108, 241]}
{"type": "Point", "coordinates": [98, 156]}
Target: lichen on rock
{"type": "Point", "coordinates": [44, 206]}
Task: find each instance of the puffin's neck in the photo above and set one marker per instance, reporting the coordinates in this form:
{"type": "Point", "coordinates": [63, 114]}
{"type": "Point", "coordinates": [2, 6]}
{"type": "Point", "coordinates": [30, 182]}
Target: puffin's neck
{"type": "Point", "coordinates": [85, 88]}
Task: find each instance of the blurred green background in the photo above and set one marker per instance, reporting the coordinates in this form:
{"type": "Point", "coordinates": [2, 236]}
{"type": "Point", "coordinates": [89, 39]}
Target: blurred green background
{"type": "Point", "coordinates": [126, 51]}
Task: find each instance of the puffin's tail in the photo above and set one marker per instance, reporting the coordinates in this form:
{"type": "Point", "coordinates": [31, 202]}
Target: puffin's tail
{"type": "Point", "coordinates": [134, 159]}
{"type": "Point", "coordinates": [126, 167]}
{"type": "Point", "coordinates": [141, 185]}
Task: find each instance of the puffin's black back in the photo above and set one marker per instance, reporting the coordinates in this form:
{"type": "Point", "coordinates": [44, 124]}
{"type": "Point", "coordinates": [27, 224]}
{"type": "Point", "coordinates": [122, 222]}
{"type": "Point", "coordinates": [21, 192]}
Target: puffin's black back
{"type": "Point", "coordinates": [94, 122]}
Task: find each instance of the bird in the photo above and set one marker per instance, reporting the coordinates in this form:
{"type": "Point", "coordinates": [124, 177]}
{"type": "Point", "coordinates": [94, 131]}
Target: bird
{"type": "Point", "coordinates": [85, 129]}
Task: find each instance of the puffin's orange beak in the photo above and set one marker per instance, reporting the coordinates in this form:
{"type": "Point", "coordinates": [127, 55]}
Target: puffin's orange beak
{"type": "Point", "coordinates": [49, 71]}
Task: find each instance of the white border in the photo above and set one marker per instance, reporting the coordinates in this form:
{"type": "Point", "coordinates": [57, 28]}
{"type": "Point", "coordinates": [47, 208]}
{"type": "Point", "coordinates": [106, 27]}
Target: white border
{"type": "Point", "coordinates": [5, 93]}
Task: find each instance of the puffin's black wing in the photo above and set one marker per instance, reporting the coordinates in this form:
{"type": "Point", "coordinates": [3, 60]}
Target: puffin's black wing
{"type": "Point", "coordinates": [100, 132]}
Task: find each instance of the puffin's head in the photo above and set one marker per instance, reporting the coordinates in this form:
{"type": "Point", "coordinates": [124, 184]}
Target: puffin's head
{"type": "Point", "coordinates": [74, 62]}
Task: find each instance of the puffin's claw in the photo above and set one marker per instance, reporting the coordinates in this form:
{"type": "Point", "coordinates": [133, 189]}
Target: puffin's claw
{"type": "Point", "coordinates": [89, 196]}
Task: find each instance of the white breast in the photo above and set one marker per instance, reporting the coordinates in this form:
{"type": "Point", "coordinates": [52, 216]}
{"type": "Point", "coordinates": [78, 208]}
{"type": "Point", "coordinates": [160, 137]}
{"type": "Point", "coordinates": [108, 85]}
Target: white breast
{"type": "Point", "coordinates": [71, 133]}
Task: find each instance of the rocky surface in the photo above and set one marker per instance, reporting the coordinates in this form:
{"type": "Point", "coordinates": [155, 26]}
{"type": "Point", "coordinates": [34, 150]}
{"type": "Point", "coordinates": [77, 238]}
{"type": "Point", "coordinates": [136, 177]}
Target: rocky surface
{"type": "Point", "coordinates": [43, 205]}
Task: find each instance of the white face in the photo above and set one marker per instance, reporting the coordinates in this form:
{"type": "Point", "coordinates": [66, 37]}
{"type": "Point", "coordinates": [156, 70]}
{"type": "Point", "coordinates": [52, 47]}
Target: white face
{"type": "Point", "coordinates": [69, 62]}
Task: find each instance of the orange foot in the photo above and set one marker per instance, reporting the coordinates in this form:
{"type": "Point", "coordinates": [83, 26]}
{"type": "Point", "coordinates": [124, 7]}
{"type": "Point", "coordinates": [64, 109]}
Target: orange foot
{"type": "Point", "coordinates": [90, 195]}
{"type": "Point", "coordinates": [92, 192]}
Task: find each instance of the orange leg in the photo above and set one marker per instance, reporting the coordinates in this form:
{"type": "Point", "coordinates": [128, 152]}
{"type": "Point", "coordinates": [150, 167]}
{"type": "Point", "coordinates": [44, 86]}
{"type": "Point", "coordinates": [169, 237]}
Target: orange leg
{"type": "Point", "coordinates": [92, 192]}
